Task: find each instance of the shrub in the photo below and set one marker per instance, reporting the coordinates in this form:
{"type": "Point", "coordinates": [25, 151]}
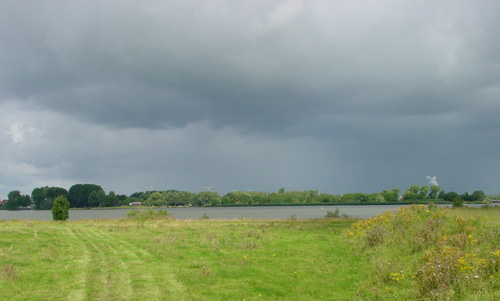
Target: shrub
{"type": "Point", "coordinates": [60, 209]}
{"type": "Point", "coordinates": [457, 203]}
{"type": "Point", "coordinates": [333, 214]}
{"type": "Point", "coordinates": [390, 271]}
{"type": "Point", "coordinates": [447, 256]}
{"type": "Point", "coordinates": [150, 214]}
{"type": "Point", "coordinates": [10, 271]}
{"type": "Point", "coordinates": [440, 270]}
{"type": "Point", "coordinates": [375, 235]}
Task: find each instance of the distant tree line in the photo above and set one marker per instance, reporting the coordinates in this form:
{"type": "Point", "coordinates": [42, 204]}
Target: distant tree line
{"type": "Point", "coordinates": [92, 195]}
{"type": "Point", "coordinates": [15, 200]}
{"type": "Point", "coordinates": [494, 197]}
{"type": "Point", "coordinates": [415, 192]}
{"type": "Point", "coordinates": [43, 197]}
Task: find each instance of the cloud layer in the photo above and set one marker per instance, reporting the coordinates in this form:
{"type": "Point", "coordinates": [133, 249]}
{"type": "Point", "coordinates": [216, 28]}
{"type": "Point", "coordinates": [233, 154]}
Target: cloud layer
{"type": "Point", "coordinates": [340, 97]}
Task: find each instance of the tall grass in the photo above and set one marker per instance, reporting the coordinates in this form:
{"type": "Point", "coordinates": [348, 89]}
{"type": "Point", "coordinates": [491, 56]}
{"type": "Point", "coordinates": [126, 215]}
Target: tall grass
{"type": "Point", "coordinates": [149, 214]}
{"type": "Point", "coordinates": [431, 253]}
{"type": "Point", "coordinates": [416, 252]}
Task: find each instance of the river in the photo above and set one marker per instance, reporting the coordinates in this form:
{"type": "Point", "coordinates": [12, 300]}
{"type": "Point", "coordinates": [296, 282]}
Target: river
{"type": "Point", "coordinates": [264, 212]}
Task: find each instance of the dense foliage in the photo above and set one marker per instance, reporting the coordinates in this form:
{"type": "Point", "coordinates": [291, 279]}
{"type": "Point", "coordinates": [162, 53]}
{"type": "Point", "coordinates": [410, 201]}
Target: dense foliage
{"type": "Point", "coordinates": [142, 215]}
{"type": "Point", "coordinates": [79, 194]}
{"type": "Point", "coordinates": [43, 197]}
{"type": "Point", "coordinates": [430, 252]}
{"type": "Point", "coordinates": [16, 200]}
{"type": "Point", "coordinates": [92, 195]}
{"type": "Point", "coordinates": [60, 209]}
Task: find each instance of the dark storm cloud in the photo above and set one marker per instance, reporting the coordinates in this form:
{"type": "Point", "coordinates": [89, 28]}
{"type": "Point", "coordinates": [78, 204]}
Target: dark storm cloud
{"type": "Point", "coordinates": [351, 96]}
{"type": "Point", "coordinates": [239, 61]}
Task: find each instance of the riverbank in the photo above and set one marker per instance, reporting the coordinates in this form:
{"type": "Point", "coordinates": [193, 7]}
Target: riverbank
{"type": "Point", "coordinates": [441, 202]}
{"type": "Point", "coordinates": [175, 260]}
{"type": "Point", "coordinates": [402, 203]}
{"type": "Point", "coordinates": [228, 213]}
{"type": "Point", "coordinates": [254, 259]}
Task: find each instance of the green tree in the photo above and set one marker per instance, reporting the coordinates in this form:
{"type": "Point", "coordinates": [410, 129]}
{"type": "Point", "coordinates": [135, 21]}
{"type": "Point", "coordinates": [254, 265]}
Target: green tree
{"type": "Point", "coordinates": [477, 196]}
{"type": "Point", "coordinates": [43, 197]}
{"type": "Point", "coordinates": [207, 198]}
{"type": "Point", "coordinates": [435, 189]}
{"type": "Point", "coordinates": [111, 199]}
{"type": "Point", "coordinates": [156, 199]}
{"type": "Point", "coordinates": [412, 193]}
{"type": "Point", "coordinates": [38, 196]}
{"type": "Point", "coordinates": [466, 197]}
{"type": "Point", "coordinates": [328, 198]}
{"type": "Point", "coordinates": [60, 209]}
{"type": "Point", "coordinates": [413, 189]}
{"type": "Point", "coordinates": [97, 198]}
{"type": "Point", "coordinates": [380, 199]}
{"type": "Point", "coordinates": [13, 200]}
{"type": "Point", "coordinates": [451, 196]}
{"type": "Point", "coordinates": [122, 199]}
{"type": "Point", "coordinates": [458, 202]}
{"type": "Point", "coordinates": [423, 191]}
{"type": "Point", "coordinates": [178, 198]}
{"type": "Point", "coordinates": [390, 196]}
{"type": "Point", "coordinates": [16, 200]}
{"type": "Point", "coordinates": [78, 194]}
{"type": "Point", "coordinates": [137, 194]}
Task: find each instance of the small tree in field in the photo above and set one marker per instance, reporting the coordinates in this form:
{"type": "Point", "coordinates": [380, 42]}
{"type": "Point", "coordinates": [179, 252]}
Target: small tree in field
{"type": "Point", "coordinates": [60, 209]}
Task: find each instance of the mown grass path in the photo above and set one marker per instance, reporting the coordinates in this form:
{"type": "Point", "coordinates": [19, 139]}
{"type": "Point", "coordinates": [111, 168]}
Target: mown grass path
{"type": "Point", "coordinates": [121, 270]}
{"type": "Point", "coordinates": [83, 262]}
{"type": "Point", "coordinates": [177, 260]}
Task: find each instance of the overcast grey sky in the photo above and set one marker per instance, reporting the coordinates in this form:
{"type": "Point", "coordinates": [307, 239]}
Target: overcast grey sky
{"type": "Point", "coordinates": [339, 96]}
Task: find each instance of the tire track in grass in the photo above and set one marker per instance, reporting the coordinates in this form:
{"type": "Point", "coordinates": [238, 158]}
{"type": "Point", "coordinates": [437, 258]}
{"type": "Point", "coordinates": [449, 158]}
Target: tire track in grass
{"type": "Point", "coordinates": [152, 278]}
{"type": "Point", "coordinates": [94, 272]}
{"type": "Point", "coordinates": [79, 284]}
{"type": "Point", "coordinates": [120, 262]}
{"type": "Point", "coordinates": [106, 277]}
{"type": "Point", "coordinates": [127, 271]}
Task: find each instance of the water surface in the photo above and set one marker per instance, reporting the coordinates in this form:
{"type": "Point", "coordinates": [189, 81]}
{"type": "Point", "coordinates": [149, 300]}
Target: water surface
{"type": "Point", "coordinates": [264, 212]}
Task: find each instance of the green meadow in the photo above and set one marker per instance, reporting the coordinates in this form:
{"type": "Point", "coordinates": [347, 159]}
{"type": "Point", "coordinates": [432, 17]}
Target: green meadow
{"type": "Point", "coordinates": [418, 252]}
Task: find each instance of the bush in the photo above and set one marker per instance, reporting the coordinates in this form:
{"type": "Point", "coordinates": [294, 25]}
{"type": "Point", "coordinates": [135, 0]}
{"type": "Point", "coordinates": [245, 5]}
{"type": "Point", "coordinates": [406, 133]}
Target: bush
{"type": "Point", "coordinates": [149, 214]}
{"type": "Point", "coordinates": [60, 209]}
{"type": "Point", "coordinates": [439, 256]}
{"type": "Point", "coordinates": [457, 203]}
{"type": "Point", "coordinates": [432, 206]}
{"type": "Point", "coordinates": [333, 214]}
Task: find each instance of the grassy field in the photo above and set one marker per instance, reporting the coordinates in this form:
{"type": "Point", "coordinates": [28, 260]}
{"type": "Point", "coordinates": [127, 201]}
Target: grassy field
{"type": "Point", "coordinates": [392, 256]}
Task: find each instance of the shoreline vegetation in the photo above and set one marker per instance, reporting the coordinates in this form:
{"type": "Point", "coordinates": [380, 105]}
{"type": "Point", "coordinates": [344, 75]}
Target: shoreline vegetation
{"type": "Point", "coordinates": [415, 252]}
{"type": "Point", "coordinates": [93, 196]}
{"type": "Point", "coordinates": [132, 207]}
{"type": "Point", "coordinates": [437, 202]}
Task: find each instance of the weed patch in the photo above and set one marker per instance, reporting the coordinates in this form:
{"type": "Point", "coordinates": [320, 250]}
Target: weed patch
{"type": "Point", "coordinates": [412, 253]}
{"type": "Point", "coordinates": [336, 214]}
{"type": "Point", "coordinates": [440, 255]}
{"type": "Point", "coordinates": [142, 215]}
{"type": "Point", "coordinates": [10, 271]}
